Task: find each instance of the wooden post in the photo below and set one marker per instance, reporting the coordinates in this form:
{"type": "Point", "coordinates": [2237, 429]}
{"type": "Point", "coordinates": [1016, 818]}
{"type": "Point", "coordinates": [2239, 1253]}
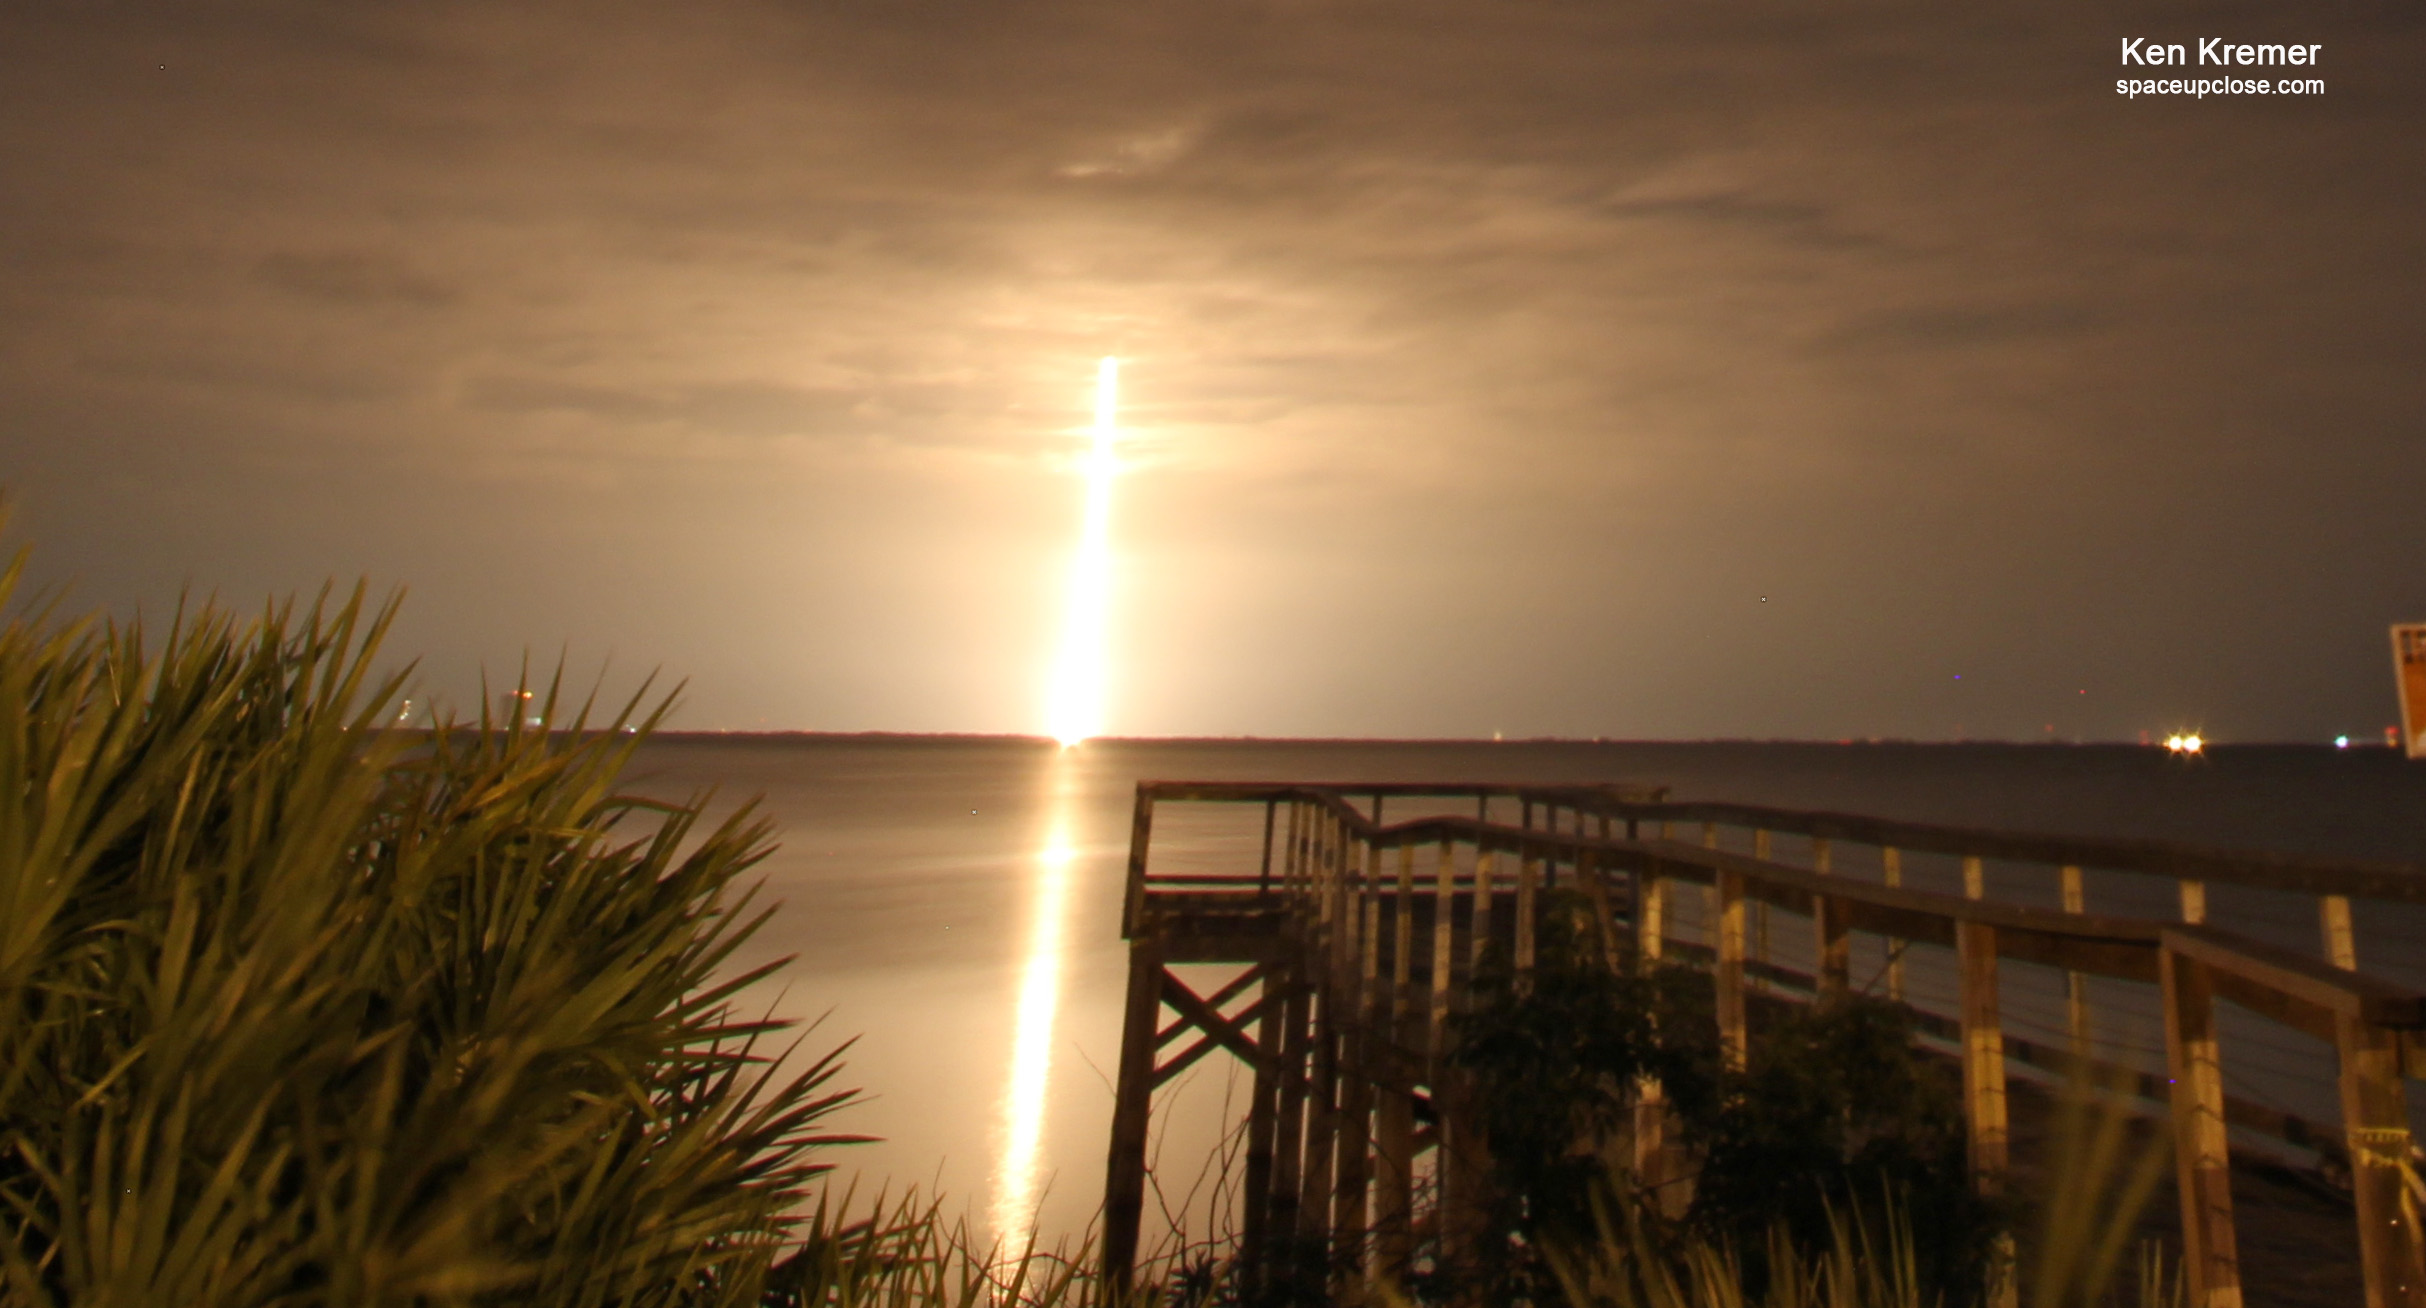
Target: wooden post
{"type": "Point", "coordinates": [1326, 874]}
{"type": "Point", "coordinates": [1255, 1225]}
{"type": "Point", "coordinates": [2194, 901]}
{"type": "Point", "coordinates": [2341, 944]}
{"type": "Point", "coordinates": [1290, 852]}
{"type": "Point", "coordinates": [1394, 1126]}
{"type": "Point", "coordinates": [1125, 1171]}
{"type": "Point", "coordinates": [1331, 1026]}
{"type": "Point", "coordinates": [1402, 927]}
{"type": "Point", "coordinates": [1527, 869]}
{"type": "Point", "coordinates": [2202, 1162]}
{"type": "Point", "coordinates": [1444, 946]}
{"type": "Point", "coordinates": [1141, 832]}
{"type": "Point", "coordinates": [1650, 1097]}
{"type": "Point", "coordinates": [1891, 872]}
{"type": "Point", "coordinates": [1728, 971]}
{"type": "Point", "coordinates": [1760, 922]}
{"type": "Point", "coordinates": [1832, 952]}
{"type": "Point", "coordinates": [1835, 956]}
{"type": "Point", "coordinates": [1984, 1078]}
{"type": "Point", "coordinates": [2076, 984]}
{"type": "Point", "coordinates": [1351, 1202]}
{"type": "Point", "coordinates": [1650, 917]}
{"type": "Point", "coordinates": [1360, 1048]}
{"type": "Point", "coordinates": [1263, 878]}
{"type": "Point", "coordinates": [2375, 1117]}
{"type": "Point", "coordinates": [1983, 1054]}
{"type": "Point", "coordinates": [1288, 1157]}
{"type": "Point", "coordinates": [1484, 892]}
{"type": "Point", "coordinates": [1975, 878]}
{"type": "Point", "coordinates": [1604, 917]}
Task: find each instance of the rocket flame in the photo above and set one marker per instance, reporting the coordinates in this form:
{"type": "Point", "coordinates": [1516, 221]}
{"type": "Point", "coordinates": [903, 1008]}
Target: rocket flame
{"type": "Point", "coordinates": [1075, 708]}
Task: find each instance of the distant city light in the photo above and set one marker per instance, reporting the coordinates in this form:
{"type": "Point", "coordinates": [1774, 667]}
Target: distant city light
{"type": "Point", "coordinates": [2181, 743]}
{"type": "Point", "coordinates": [2341, 742]}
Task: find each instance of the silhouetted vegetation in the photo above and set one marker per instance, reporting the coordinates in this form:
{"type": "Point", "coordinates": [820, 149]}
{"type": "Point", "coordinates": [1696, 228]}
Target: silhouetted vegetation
{"type": "Point", "coordinates": [297, 1011]}
{"type": "Point", "coordinates": [1838, 1122]}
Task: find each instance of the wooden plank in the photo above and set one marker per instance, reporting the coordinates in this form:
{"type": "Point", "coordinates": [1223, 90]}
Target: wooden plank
{"type": "Point", "coordinates": [1125, 1169]}
{"type": "Point", "coordinates": [2202, 1158]}
{"type": "Point", "coordinates": [1394, 1107]}
{"type": "Point", "coordinates": [1351, 1206]}
{"type": "Point", "coordinates": [1322, 1123]}
{"type": "Point", "coordinates": [1527, 869]}
{"type": "Point", "coordinates": [2371, 1000]}
{"type": "Point", "coordinates": [1758, 910]}
{"type": "Point", "coordinates": [1728, 970]}
{"type": "Point", "coordinates": [1218, 1031]}
{"type": "Point", "coordinates": [1465, 1168]}
{"type": "Point", "coordinates": [1650, 917]}
{"type": "Point", "coordinates": [2375, 1114]}
{"type": "Point", "coordinates": [1835, 945]}
{"type": "Point", "coordinates": [1294, 854]}
{"type": "Point", "coordinates": [2333, 922]}
{"type": "Point", "coordinates": [1288, 1155]}
{"type": "Point", "coordinates": [1402, 928]}
{"type": "Point", "coordinates": [2362, 879]}
{"type": "Point", "coordinates": [1604, 922]}
{"type": "Point", "coordinates": [1444, 949]}
{"type": "Point", "coordinates": [1983, 1037]}
{"type": "Point", "coordinates": [1891, 875]}
{"type": "Point", "coordinates": [2091, 956]}
{"type": "Point", "coordinates": [2076, 982]}
{"type": "Point", "coordinates": [1393, 1188]}
{"type": "Point", "coordinates": [2404, 883]}
{"type": "Point", "coordinates": [1255, 1199]}
{"type": "Point", "coordinates": [1141, 833]}
{"type": "Point", "coordinates": [1219, 1001]}
{"type": "Point", "coordinates": [1485, 890]}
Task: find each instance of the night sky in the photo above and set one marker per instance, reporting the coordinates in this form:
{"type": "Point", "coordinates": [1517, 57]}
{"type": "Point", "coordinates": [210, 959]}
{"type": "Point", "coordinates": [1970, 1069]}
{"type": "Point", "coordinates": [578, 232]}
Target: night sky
{"type": "Point", "coordinates": [1583, 369]}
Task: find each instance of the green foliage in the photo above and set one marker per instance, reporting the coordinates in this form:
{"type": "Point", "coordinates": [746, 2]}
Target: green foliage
{"type": "Point", "coordinates": [2099, 1181]}
{"type": "Point", "coordinates": [1836, 1110]}
{"type": "Point", "coordinates": [297, 1011]}
{"type": "Point", "coordinates": [905, 1254]}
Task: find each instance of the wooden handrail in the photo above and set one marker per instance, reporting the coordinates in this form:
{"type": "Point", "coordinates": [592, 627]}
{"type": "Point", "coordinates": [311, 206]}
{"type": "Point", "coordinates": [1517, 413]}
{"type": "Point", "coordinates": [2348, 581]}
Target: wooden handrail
{"type": "Point", "coordinates": [2305, 874]}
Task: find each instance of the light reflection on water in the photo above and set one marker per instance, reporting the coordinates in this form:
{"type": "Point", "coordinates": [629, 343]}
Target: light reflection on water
{"type": "Point", "coordinates": [1019, 1160]}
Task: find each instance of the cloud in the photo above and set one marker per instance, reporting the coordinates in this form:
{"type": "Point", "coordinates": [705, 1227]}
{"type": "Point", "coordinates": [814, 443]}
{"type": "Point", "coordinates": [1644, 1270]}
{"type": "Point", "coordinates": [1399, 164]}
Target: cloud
{"type": "Point", "coordinates": [353, 278]}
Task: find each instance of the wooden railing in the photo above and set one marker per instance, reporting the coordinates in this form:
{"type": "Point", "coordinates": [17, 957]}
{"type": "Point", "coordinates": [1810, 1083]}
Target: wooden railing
{"type": "Point", "coordinates": [1359, 953]}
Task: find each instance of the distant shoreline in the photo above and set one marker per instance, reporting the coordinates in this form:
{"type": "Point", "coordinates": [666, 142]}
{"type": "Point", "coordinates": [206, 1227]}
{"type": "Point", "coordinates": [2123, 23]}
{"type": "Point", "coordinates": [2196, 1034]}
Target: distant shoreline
{"type": "Point", "coordinates": [1368, 742]}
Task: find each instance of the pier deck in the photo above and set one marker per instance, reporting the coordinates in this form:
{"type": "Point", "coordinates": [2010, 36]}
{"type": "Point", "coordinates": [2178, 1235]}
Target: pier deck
{"type": "Point", "coordinates": [1356, 939]}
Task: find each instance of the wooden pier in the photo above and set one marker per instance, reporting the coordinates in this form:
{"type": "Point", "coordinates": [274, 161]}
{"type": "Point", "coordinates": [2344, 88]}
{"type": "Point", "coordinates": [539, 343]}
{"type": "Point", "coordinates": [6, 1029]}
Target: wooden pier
{"type": "Point", "coordinates": [1357, 936]}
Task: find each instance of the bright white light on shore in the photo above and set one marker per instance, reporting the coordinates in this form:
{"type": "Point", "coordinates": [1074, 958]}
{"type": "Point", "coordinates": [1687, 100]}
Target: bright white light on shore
{"type": "Point", "coordinates": [1075, 707]}
{"type": "Point", "coordinates": [2181, 743]}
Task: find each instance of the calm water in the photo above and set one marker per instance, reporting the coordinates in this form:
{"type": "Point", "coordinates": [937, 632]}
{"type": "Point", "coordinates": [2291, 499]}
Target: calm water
{"type": "Point", "coordinates": [953, 905]}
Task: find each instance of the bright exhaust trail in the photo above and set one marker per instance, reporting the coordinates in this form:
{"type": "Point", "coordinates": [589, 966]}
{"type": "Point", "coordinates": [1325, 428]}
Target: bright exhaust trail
{"type": "Point", "coordinates": [1075, 706]}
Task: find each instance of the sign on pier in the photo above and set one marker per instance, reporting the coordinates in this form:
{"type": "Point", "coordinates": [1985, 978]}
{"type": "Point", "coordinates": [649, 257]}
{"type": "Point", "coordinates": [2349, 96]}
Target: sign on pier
{"type": "Point", "coordinates": [2409, 669]}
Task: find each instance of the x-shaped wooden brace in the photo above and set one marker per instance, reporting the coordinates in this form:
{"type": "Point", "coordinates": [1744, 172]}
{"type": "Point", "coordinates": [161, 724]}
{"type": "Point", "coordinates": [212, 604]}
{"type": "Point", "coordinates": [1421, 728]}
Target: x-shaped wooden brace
{"type": "Point", "coordinates": [1201, 1014]}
